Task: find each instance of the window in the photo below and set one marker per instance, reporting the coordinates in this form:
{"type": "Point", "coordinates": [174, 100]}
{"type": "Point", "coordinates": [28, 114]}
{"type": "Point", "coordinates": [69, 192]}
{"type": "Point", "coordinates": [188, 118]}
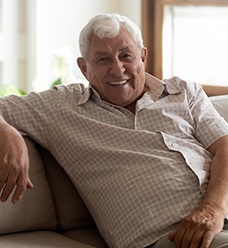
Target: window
{"type": "Point", "coordinates": [12, 42]}
{"type": "Point", "coordinates": [39, 39]}
{"type": "Point", "coordinates": [187, 38]}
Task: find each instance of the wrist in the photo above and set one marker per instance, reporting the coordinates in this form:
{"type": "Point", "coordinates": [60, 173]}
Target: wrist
{"type": "Point", "coordinates": [213, 207]}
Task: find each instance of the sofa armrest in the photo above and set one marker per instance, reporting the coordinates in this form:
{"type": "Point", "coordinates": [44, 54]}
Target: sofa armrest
{"type": "Point", "coordinates": [214, 90]}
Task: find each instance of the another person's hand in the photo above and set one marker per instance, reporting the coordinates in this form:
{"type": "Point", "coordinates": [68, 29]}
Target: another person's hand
{"type": "Point", "coordinates": [14, 164]}
{"type": "Point", "coordinates": [198, 229]}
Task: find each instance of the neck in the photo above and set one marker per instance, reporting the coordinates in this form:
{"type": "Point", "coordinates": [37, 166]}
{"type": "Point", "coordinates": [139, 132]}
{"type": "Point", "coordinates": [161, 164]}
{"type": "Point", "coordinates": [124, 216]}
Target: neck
{"type": "Point", "coordinates": [131, 107]}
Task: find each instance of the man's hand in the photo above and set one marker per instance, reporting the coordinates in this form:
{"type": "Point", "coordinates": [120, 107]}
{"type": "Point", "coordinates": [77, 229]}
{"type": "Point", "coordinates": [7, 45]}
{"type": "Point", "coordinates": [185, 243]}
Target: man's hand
{"type": "Point", "coordinates": [198, 229]}
{"type": "Point", "coordinates": [14, 163]}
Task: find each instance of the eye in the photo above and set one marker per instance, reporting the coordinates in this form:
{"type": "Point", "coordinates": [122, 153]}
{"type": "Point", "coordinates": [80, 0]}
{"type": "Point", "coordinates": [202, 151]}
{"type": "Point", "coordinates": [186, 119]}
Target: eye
{"type": "Point", "coordinates": [127, 57]}
{"type": "Point", "coordinates": [102, 60]}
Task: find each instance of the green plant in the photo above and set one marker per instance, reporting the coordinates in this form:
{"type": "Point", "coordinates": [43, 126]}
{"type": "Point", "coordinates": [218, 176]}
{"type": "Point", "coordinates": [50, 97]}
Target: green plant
{"type": "Point", "coordinates": [56, 82]}
{"type": "Point", "coordinates": [9, 89]}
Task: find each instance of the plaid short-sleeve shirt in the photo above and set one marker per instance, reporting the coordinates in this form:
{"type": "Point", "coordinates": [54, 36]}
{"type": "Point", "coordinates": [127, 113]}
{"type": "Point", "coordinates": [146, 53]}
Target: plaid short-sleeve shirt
{"type": "Point", "coordinates": [139, 175]}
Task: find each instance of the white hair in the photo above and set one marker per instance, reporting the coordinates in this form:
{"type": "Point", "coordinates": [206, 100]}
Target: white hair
{"type": "Point", "coordinates": [107, 26]}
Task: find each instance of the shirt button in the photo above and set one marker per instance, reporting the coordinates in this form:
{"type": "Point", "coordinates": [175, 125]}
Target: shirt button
{"type": "Point", "coordinates": [138, 126]}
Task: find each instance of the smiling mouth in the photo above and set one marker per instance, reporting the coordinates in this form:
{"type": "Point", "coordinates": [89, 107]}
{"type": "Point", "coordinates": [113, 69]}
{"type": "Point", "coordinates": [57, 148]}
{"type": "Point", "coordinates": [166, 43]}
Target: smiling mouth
{"type": "Point", "coordinates": [122, 82]}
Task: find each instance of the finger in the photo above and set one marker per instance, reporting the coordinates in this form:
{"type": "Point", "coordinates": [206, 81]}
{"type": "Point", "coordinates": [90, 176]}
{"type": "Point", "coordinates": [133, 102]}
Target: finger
{"type": "Point", "coordinates": [172, 235]}
{"type": "Point", "coordinates": [207, 239]}
{"type": "Point", "coordinates": [3, 180]}
{"type": "Point", "coordinates": [184, 234]}
{"type": "Point", "coordinates": [8, 188]}
{"type": "Point", "coordinates": [20, 189]}
{"type": "Point", "coordinates": [196, 240]}
{"type": "Point", "coordinates": [179, 237]}
{"type": "Point", "coordinates": [29, 184]}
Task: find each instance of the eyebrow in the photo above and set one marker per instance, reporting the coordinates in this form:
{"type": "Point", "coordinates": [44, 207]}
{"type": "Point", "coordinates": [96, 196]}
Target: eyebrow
{"type": "Point", "coordinates": [99, 53]}
{"type": "Point", "coordinates": [126, 48]}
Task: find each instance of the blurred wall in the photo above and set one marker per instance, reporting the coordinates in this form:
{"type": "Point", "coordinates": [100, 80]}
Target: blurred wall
{"type": "Point", "coordinates": [54, 25]}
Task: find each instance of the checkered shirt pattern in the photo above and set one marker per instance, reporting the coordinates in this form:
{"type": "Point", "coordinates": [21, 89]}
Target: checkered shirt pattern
{"type": "Point", "coordinates": [139, 175]}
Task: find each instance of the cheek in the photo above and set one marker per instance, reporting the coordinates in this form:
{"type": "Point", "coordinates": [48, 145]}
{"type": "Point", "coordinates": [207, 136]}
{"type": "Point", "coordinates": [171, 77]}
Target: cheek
{"type": "Point", "coordinates": [92, 74]}
{"type": "Point", "coordinates": [97, 72]}
{"type": "Point", "coordinates": [139, 72]}
{"type": "Point", "coordinates": [138, 67]}
{"type": "Point", "coordinates": [141, 66]}
{"type": "Point", "coordinates": [95, 77]}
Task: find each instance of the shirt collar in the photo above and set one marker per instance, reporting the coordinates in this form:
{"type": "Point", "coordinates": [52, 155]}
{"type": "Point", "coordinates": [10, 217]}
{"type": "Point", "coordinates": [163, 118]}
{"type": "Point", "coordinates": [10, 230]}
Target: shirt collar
{"type": "Point", "coordinates": [85, 95]}
{"type": "Point", "coordinates": [156, 87]}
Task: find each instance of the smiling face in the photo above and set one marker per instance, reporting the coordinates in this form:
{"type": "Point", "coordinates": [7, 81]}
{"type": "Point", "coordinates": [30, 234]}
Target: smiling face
{"type": "Point", "coordinates": [115, 67]}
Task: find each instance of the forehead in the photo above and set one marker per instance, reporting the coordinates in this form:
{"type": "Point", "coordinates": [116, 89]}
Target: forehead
{"type": "Point", "coordinates": [123, 40]}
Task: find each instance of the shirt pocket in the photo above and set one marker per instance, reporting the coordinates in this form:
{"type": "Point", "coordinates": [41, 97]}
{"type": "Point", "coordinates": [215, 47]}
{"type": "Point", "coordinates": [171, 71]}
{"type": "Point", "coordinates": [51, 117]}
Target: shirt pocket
{"type": "Point", "coordinates": [197, 157]}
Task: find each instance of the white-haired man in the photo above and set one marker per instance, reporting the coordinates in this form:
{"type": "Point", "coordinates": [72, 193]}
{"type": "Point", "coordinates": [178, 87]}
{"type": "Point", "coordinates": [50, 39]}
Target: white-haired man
{"type": "Point", "coordinates": [148, 156]}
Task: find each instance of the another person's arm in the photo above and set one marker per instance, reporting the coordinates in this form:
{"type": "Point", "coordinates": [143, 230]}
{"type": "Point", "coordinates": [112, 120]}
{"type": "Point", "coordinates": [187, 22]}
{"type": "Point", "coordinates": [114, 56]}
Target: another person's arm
{"type": "Point", "coordinates": [14, 163]}
{"type": "Point", "coordinates": [199, 228]}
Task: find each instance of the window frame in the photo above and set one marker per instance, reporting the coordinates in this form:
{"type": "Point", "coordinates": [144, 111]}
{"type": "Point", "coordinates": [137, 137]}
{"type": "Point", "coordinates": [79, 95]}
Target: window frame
{"type": "Point", "coordinates": [152, 23]}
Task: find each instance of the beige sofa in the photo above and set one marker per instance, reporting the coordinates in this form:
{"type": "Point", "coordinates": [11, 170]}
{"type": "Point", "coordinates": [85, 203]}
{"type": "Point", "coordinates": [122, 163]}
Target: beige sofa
{"type": "Point", "coordinates": [52, 213]}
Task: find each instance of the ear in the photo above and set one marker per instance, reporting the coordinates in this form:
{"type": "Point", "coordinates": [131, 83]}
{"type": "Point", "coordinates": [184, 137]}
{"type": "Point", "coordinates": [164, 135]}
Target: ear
{"type": "Point", "coordinates": [144, 55]}
{"type": "Point", "coordinates": [82, 65]}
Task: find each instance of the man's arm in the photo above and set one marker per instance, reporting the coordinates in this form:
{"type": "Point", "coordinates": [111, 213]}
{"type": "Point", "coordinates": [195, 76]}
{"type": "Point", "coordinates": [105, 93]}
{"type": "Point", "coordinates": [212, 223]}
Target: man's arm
{"type": "Point", "coordinates": [14, 163]}
{"type": "Point", "coordinates": [199, 228]}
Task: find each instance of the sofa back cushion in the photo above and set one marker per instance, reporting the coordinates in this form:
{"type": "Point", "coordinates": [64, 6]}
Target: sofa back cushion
{"type": "Point", "coordinates": [221, 105]}
{"type": "Point", "coordinates": [35, 210]}
{"type": "Point", "coordinates": [70, 209]}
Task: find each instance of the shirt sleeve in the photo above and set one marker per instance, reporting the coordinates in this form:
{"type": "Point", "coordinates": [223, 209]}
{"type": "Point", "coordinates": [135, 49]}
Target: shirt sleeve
{"type": "Point", "coordinates": [32, 114]}
{"type": "Point", "coordinates": [209, 125]}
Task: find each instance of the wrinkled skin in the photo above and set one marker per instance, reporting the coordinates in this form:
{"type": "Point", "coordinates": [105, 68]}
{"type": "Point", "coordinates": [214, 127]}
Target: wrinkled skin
{"type": "Point", "coordinates": [14, 163]}
{"type": "Point", "coordinates": [115, 67]}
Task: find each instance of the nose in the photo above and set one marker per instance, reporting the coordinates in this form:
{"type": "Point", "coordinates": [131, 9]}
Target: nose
{"type": "Point", "coordinates": [117, 68]}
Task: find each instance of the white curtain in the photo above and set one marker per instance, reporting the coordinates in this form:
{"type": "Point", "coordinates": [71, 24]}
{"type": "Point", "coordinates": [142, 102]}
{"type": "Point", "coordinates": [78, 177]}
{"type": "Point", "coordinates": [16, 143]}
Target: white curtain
{"type": "Point", "coordinates": [10, 42]}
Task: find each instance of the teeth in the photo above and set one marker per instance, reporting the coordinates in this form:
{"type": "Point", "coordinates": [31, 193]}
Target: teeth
{"type": "Point", "coordinates": [118, 82]}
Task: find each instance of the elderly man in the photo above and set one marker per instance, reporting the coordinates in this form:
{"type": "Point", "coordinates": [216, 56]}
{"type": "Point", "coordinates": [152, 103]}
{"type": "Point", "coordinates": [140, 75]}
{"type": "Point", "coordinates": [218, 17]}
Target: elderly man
{"type": "Point", "coordinates": [149, 157]}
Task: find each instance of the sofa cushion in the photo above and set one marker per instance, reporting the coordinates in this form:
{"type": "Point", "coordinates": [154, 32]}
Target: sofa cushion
{"type": "Point", "coordinates": [44, 239]}
{"type": "Point", "coordinates": [35, 210]}
{"type": "Point", "coordinates": [90, 236]}
{"type": "Point", "coordinates": [221, 105]}
{"type": "Point", "coordinates": [70, 210]}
